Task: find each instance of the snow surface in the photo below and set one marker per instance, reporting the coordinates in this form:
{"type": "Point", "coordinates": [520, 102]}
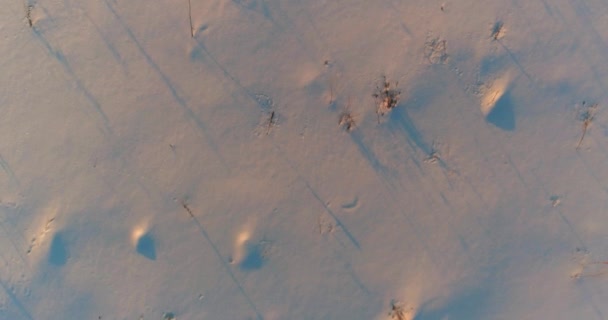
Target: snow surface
{"type": "Point", "coordinates": [149, 174]}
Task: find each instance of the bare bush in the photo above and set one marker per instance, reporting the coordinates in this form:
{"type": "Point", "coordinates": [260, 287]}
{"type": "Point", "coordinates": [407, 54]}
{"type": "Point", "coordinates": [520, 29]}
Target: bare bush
{"type": "Point", "coordinates": [387, 97]}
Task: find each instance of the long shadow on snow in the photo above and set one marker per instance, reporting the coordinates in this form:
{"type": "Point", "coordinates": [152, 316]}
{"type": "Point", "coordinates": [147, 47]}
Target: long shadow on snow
{"type": "Point", "coordinates": [13, 298]}
{"type": "Point", "coordinates": [400, 122]}
{"type": "Point", "coordinates": [173, 90]}
{"type": "Point", "coordinates": [80, 86]}
{"type": "Point", "coordinates": [368, 154]}
{"type": "Point", "coordinates": [113, 50]}
{"type": "Point", "coordinates": [470, 304]}
{"type": "Point", "coordinates": [199, 53]}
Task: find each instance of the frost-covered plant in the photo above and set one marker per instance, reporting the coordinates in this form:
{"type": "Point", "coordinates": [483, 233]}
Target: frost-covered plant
{"type": "Point", "coordinates": [387, 97]}
{"type": "Point", "coordinates": [347, 120]}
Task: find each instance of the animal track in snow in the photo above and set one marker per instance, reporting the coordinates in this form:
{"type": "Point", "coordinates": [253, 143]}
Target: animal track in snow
{"type": "Point", "coordinates": [38, 239]}
{"type": "Point", "coordinates": [436, 50]}
{"type": "Point", "coordinates": [352, 204]}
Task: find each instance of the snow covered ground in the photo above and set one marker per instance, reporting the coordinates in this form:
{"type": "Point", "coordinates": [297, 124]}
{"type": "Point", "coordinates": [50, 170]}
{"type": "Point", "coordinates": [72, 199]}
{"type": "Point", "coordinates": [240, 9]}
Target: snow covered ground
{"type": "Point", "coordinates": [151, 172]}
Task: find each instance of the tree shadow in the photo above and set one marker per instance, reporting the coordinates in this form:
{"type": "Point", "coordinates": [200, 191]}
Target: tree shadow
{"type": "Point", "coordinates": [254, 257]}
{"type": "Point", "coordinates": [58, 253]}
{"type": "Point", "coordinates": [367, 153]}
{"type": "Point", "coordinates": [400, 121]}
{"type": "Point", "coordinates": [503, 114]}
{"type": "Point", "coordinates": [146, 247]}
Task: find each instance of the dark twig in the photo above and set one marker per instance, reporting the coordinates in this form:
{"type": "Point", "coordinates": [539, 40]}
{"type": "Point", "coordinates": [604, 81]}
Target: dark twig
{"type": "Point", "coordinates": [587, 115]}
{"type": "Point", "coordinates": [28, 14]}
{"type": "Point", "coordinates": [190, 16]}
{"type": "Point", "coordinates": [272, 121]}
{"type": "Point", "coordinates": [498, 31]}
{"type": "Point", "coordinates": [185, 206]}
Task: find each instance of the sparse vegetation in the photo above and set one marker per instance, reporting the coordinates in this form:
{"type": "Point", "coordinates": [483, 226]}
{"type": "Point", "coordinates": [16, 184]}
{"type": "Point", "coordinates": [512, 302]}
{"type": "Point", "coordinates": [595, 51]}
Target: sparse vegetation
{"type": "Point", "coordinates": [397, 311]}
{"type": "Point", "coordinates": [434, 155]}
{"type": "Point", "coordinates": [447, 235]}
{"type": "Point", "coordinates": [387, 97]}
{"type": "Point", "coordinates": [587, 114]}
{"type": "Point", "coordinates": [347, 121]}
{"type": "Point", "coordinates": [590, 270]}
